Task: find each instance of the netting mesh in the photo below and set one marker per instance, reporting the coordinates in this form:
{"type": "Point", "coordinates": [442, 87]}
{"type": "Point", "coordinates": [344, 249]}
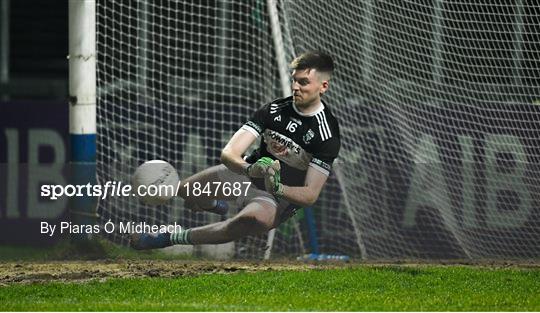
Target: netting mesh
{"type": "Point", "coordinates": [438, 102]}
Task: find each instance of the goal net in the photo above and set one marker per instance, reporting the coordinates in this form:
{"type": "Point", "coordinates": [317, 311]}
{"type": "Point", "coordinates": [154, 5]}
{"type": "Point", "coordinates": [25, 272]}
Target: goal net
{"type": "Point", "coordinates": [438, 102]}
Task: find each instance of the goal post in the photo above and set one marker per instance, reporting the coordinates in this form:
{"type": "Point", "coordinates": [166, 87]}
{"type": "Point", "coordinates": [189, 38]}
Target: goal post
{"type": "Point", "coordinates": [281, 61]}
{"type": "Point", "coordinates": [82, 108]}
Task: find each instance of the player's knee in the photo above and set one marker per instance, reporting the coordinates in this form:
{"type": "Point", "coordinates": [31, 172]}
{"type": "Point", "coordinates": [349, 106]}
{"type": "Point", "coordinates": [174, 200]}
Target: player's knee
{"type": "Point", "coordinates": [251, 224]}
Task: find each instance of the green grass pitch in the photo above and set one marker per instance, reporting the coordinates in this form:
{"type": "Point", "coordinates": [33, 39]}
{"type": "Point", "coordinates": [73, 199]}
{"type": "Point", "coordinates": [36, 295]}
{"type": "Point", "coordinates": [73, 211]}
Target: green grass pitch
{"type": "Point", "coordinates": [351, 288]}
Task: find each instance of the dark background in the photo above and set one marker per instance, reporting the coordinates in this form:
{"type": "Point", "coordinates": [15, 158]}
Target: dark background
{"type": "Point", "coordinates": [38, 49]}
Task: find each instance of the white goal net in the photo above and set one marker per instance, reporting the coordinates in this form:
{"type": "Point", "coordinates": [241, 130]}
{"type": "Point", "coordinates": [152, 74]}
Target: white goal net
{"type": "Point", "coordinates": [438, 101]}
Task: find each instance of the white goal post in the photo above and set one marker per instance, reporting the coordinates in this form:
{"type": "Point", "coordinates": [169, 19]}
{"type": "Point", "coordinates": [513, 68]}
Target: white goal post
{"type": "Point", "coordinates": [82, 108]}
{"type": "Point", "coordinates": [438, 103]}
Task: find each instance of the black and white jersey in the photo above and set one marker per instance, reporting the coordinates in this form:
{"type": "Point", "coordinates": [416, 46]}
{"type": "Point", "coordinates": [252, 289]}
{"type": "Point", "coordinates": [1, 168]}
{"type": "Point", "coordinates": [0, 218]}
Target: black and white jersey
{"type": "Point", "coordinates": [298, 140]}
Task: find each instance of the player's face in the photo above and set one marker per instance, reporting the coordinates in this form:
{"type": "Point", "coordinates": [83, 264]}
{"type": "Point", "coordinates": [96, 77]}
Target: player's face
{"type": "Point", "coordinates": [307, 87]}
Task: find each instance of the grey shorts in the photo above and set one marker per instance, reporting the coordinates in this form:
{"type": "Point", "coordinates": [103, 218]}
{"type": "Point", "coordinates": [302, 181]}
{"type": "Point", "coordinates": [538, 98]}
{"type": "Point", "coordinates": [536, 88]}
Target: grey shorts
{"type": "Point", "coordinates": [255, 193]}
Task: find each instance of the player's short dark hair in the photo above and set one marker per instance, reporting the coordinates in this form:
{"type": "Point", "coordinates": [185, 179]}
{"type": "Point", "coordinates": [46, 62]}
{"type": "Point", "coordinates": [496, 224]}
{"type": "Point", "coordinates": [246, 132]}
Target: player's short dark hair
{"type": "Point", "coordinates": [318, 60]}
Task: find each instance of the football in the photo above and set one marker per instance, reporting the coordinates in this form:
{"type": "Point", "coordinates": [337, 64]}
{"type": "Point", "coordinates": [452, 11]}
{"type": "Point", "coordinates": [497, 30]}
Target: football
{"type": "Point", "coordinates": [155, 182]}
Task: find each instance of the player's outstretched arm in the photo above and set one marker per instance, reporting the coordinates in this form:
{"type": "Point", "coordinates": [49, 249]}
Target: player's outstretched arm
{"type": "Point", "coordinates": [231, 156]}
{"type": "Point", "coordinates": [305, 195]}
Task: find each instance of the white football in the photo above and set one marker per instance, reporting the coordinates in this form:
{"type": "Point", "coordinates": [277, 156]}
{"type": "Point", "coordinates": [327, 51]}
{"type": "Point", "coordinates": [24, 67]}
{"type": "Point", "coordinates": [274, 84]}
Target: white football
{"type": "Point", "coordinates": [155, 182]}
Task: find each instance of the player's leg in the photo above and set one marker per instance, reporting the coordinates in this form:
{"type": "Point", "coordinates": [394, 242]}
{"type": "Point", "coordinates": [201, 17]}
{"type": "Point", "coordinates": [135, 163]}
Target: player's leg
{"type": "Point", "coordinates": [258, 217]}
{"type": "Point", "coordinates": [208, 177]}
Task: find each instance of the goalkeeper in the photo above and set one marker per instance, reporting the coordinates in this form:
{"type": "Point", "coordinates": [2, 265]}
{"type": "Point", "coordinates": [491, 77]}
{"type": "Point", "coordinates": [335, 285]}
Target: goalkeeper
{"type": "Point", "coordinates": [300, 140]}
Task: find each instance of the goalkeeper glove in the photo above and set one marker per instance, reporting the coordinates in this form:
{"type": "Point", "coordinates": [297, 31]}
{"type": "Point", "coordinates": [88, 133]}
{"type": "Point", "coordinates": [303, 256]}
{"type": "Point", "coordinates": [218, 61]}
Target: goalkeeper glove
{"type": "Point", "coordinates": [259, 168]}
{"type": "Point", "coordinates": [272, 179]}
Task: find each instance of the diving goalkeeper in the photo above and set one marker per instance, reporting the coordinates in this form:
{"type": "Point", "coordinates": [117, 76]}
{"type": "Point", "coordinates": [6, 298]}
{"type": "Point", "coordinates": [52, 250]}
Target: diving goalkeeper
{"type": "Point", "coordinates": [300, 140]}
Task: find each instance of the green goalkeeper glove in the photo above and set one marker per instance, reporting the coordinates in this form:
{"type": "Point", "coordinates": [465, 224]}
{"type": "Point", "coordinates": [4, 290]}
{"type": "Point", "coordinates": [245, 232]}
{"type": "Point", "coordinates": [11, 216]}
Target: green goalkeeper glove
{"type": "Point", "coordinates": [272, 179]}
{"type": "Point", "coordinates": [259, 168]}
